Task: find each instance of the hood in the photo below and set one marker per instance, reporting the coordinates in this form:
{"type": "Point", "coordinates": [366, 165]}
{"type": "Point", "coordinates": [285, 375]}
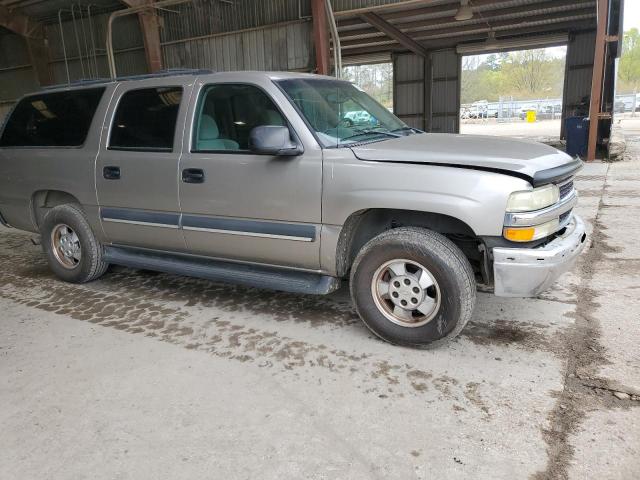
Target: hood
{"type": "Point", "coordinates": [533, 161]}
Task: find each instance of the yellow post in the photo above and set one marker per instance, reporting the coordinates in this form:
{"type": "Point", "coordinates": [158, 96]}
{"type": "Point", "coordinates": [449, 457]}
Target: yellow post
{"type": "Point", "coordinates": [531, 116]}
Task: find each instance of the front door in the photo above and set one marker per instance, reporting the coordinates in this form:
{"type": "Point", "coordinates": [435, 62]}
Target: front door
{"type": "Point", "coordinates": [136, 174]}
{"type": "Point", "coordinates": [245, 206]}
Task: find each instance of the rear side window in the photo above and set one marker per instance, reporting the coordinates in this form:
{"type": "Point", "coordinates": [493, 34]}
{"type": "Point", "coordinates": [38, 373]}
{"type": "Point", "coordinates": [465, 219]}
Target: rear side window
{"type": "Point", "coordinates": [57, 119]}
{"type": "Point", "coordinates": [146, 119]}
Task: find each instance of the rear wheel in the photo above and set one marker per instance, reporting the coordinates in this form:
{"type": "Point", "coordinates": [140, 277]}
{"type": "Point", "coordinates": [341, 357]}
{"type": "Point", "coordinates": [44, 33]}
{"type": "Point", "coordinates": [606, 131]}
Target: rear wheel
{"type": "Point", "coordinates": [413, 286]}
{"type": "Point", "coordinates": [73, 252]}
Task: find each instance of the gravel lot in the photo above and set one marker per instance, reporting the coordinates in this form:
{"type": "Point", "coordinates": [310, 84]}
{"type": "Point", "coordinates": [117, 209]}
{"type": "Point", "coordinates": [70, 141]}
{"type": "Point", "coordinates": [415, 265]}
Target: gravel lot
{"type": "Point", "coordinates": [145, 375]}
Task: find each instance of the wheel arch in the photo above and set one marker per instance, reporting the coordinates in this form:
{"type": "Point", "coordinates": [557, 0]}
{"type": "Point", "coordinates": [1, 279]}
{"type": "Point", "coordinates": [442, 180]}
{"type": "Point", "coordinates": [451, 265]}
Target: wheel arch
{"type": "Point", "coordinates": [363, 225]}
{"type": "Point", "coordinates": [44, 200]}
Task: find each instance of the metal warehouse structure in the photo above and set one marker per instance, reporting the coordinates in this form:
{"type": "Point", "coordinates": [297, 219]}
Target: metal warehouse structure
{"type": "Point", "coordinates": [58, 41]}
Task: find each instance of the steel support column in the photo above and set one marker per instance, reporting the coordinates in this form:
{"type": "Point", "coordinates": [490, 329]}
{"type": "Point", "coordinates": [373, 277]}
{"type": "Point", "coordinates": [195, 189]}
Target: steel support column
{"type": "Point", "coordinates": [320, 36]}
{"type": "Point", "coordinates": [150, 26]}
{"type": "Point", "coordinates": [597, 78]}
{"type": "Point", "coordinates": [33, 33]}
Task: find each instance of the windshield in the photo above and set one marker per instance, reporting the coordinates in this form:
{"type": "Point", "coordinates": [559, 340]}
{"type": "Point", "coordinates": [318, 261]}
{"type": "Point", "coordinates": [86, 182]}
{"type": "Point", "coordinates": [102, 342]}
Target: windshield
{"type": "Point", "coordinates": [341, 114]}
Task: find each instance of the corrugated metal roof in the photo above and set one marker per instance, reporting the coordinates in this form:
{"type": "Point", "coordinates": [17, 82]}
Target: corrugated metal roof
{"type": "Point", "coordinates": [46, 11]}
{"type": "Point", "coordinates": [433, 23]}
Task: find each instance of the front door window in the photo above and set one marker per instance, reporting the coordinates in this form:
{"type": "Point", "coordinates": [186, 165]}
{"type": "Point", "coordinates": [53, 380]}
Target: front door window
{"type": "Point", "coordinates": [227, 113]}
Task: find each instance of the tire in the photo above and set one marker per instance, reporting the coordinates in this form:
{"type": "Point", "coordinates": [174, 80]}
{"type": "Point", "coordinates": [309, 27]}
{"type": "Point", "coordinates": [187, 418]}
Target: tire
{"type": "Point", "coordinates": [447, 303]}
{"type": "Point", "coordinates": [64, 221]}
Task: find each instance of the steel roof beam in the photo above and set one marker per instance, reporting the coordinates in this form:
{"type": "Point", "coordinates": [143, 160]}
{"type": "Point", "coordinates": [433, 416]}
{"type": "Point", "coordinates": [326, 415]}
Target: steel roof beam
{"type": "Point", "coordinates": [556, 6]}
{"type": "Point", "coordinates": [394, 33]}
{"type": "Point", "coordinates": [449, 9]}
{"type": "Point", "coordinates": [447, 42]}
{"type": "Point", "coordinates": [479, 28]}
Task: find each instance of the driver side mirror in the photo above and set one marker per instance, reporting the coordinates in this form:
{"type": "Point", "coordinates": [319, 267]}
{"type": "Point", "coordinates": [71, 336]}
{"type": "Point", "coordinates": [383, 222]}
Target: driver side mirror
{"type": "Point", "coordinates": [273, 140]}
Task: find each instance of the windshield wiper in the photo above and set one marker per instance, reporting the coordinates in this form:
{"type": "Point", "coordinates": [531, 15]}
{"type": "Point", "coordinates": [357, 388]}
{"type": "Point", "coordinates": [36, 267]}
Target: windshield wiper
{"type": "Point", "coordinates": [370, 132]}
{"type": "Point", "coordinates": [407, 129]}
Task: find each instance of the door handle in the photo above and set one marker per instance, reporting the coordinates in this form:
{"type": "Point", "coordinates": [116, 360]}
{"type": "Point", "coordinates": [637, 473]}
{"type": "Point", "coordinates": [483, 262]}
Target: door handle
{"type": "Point", "coordinates": [193, 175]}
{"type": "Point", "coordinates": [111, 173]}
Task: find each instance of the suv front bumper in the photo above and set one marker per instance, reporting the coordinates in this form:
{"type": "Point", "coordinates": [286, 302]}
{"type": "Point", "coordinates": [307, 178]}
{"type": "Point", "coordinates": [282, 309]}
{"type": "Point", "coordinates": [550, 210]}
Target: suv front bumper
{"type": "Point", "coordinates": [526, 272]}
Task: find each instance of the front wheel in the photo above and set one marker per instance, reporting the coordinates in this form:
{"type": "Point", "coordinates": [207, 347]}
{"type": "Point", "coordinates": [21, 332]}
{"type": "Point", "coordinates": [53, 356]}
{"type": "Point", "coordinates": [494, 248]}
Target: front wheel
{"type": "Point", "coordinates": [412, 286]}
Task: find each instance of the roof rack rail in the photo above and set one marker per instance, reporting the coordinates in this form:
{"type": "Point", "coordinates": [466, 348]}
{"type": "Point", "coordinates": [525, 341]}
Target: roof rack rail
{"type": "Point", "coordinates": [170, 72]}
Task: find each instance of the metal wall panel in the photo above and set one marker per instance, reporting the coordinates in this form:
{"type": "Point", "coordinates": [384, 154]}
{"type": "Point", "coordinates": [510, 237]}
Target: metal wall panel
{"type": "Point", "coordinates": [82, 38]}
{"type": "Point", "coordinates": [285, 47]}
{"type": "Point", "coordinates": [445, 92]}
{"type": "Point", "coordinates": [409, 89]}
{"type": "Point", "coordinates": [205, 17]}
{"type": "Point", "coordinates": [16, 74]}
{"type": "Point", "coordinates": [579, 69]}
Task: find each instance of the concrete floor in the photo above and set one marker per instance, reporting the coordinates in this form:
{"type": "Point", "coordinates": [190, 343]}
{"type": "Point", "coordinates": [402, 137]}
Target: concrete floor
{"type": "Point", "coordinates": [515, 128]}
{"type": "Point", "coordinates": [142, 375]}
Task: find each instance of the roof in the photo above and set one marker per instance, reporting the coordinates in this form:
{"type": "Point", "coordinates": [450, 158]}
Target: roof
{"type": "Point", "coordinates": [433, 25]}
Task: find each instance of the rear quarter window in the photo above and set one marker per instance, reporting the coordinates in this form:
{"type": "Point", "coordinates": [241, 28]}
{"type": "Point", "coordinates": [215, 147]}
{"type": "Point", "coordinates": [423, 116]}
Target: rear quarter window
{"type": "Point", "coordinates": [57, 119]}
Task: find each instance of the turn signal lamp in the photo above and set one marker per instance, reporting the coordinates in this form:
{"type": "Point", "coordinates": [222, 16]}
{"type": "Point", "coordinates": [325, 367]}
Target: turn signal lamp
{"type": "Point", "coordinates": [528, 234]}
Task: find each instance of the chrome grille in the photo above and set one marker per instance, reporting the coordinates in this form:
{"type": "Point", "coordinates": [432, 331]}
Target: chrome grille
{"type": "Point", "coordinates": [565, 188]}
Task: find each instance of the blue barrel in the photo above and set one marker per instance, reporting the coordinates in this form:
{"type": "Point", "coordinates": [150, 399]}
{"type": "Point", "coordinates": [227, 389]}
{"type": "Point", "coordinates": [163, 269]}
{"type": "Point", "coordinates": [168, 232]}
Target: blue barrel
{"type": "Point", "coordinates": [577, 134]}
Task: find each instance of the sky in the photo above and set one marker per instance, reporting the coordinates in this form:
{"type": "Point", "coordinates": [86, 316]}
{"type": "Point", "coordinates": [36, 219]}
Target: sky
{"type": "Point", "coordinates": [631, 14]}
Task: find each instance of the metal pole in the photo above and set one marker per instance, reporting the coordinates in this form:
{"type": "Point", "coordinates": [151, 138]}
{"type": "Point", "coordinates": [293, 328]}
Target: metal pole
{"type": "Point", "coordinates": [337, 49]}
{"type": "Point", "coordinates": [596, 79]}
{"type": "Point", "coordinates": [122, 13]}
{"type": "Point", "coordinates": [75, 29]}
{"type": "Point", "coordinates": [84, 38]}
{"type": "Point", "coordinates": [93, 43]}
{"type": "Point", "coordinates": [64, 48]}
{"type": "Point", "coordinates": [320, 36]}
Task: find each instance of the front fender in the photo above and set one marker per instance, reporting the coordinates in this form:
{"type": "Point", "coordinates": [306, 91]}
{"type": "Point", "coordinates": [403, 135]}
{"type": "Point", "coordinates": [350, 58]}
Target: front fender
{"type": "Point", "coordinates": [477, 198]}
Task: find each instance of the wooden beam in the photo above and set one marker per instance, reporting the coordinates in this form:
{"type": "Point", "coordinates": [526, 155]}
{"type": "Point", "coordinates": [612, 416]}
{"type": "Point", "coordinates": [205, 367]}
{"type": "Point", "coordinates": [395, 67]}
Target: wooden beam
{"type": "Point", "coordinates": [33, 33]}
{"type": "Point", "coordinates": [150, 27]}
{"type": "Point", "coordinates": [321, 37]}
{"type": "Point", "coordinates": [596, 79]}
{"type": "Point", "coordinates": [394, 33]}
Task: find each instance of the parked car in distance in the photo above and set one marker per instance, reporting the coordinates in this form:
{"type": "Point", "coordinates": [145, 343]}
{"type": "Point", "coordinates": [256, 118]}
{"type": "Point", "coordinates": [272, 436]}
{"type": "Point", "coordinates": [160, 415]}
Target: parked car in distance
{"type": "Point", "coordinates": [254, 178]}
{"type": "Point", "coordinates": [358, 117]}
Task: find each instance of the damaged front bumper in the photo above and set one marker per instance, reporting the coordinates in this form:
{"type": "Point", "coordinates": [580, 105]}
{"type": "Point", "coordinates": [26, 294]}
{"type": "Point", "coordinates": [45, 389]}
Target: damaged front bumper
{"type": "Point", "coordinates": [527, 272]}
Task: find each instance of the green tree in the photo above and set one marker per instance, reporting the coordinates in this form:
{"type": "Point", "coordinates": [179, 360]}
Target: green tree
{"type": "Point", "coordinates": [493, 62]}
{"type": "Point", "coordinates": [629, 64]}
{"type": "Point", "coordinates": [523, 74]}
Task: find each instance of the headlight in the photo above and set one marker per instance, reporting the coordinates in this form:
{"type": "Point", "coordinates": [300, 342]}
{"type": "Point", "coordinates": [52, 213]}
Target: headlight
{"type": "Point", "coordinates": [528, 234]}
{"type": "Point", "coordinates": [530, 200]}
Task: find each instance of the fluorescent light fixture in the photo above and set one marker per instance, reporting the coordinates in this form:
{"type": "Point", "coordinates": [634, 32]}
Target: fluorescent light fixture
{"type": "Point", "coordinates": [522, 43]}
{"type": "Point", "coordinates": [464, 12]}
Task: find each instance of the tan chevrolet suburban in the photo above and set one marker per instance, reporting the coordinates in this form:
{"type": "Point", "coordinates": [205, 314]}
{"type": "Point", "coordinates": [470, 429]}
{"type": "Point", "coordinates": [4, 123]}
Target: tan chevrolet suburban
{"type": "Point", "coordinates": [287, 181]}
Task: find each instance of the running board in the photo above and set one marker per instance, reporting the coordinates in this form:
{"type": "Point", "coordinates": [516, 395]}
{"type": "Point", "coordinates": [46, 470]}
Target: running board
{"type": "Point", "coordinates": [258, 276]}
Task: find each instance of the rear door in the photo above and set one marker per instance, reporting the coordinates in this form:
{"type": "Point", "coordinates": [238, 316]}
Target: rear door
{"type": "Point", "coordinates": [245, 206]}
{"type": "Point", "coordinates": [136, 174]}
